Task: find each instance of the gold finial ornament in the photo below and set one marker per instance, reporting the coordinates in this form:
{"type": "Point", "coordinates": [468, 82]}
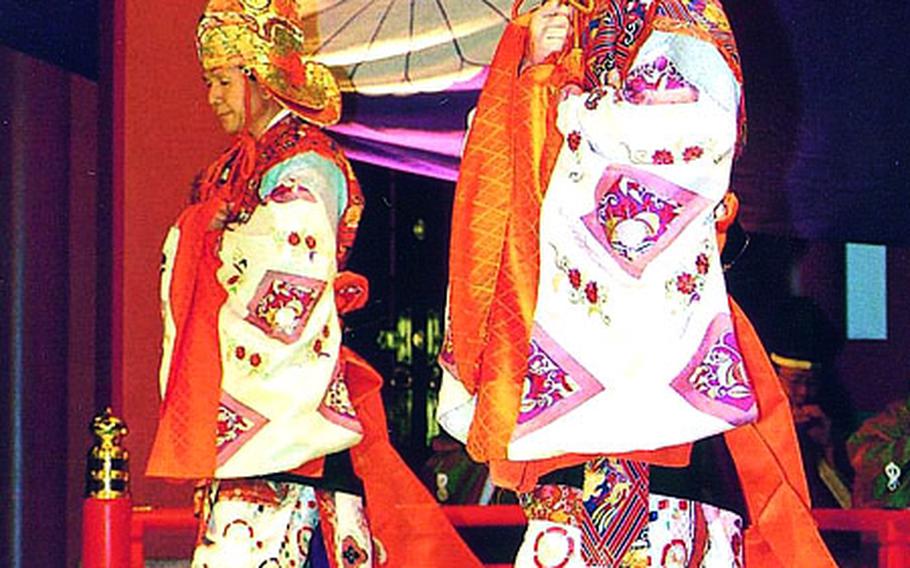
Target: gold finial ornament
{"type": "Point", "coordinates": [107, 472]}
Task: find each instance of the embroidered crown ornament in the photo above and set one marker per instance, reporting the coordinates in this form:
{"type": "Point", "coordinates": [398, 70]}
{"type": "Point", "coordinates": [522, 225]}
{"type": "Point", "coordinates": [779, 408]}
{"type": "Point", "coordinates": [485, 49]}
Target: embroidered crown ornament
{"type": "Point", "coordinates": [264, 38]}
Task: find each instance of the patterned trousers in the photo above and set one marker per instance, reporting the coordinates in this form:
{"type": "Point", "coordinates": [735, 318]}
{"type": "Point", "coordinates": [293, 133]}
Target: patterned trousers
{"type": "Point", "coordinates": [613, 521]}
{"type": "Point", "coordinates": [258, 523]}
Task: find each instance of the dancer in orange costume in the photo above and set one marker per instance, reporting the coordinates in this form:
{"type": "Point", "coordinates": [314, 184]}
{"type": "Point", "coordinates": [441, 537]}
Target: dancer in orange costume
{"type": "Point", "coordinates": [282, 424]}
{"type": "Point", "coordinates": [593, 185]}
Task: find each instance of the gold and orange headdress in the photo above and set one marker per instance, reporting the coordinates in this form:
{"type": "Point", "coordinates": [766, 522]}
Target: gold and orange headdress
{"type": "Point", "coordinates": [264, 38]}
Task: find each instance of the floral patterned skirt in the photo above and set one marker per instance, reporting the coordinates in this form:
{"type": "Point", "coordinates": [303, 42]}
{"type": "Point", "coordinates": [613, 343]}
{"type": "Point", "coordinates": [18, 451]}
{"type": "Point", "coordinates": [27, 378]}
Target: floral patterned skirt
{"type": "Point", "coordinates": [614, 521]}
{"type": "Point", "coordinates": [260, 523]}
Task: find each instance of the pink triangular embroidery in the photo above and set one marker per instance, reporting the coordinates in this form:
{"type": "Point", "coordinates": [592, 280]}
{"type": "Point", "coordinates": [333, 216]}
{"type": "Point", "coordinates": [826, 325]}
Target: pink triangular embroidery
{"type": "Point", "coordinates": [283, 303]}
{"type": "Point", "coordinates": [237, 423]}
{"type": "Point", "coordinates": [637, 215]}
{"type": "Point", "coordinates": [715, 380]}
{"type": "Point", "coordinates": [336, 406]}
{"type": "Point", "coordinates": [554, 384]}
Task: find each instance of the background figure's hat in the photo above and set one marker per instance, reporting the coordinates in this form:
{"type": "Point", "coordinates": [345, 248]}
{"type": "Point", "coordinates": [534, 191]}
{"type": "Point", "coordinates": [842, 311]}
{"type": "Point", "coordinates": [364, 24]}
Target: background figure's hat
{"type": "Point", "coordinates": [264, 38]}
{"type": "Point", "coordinates": [803, 337]}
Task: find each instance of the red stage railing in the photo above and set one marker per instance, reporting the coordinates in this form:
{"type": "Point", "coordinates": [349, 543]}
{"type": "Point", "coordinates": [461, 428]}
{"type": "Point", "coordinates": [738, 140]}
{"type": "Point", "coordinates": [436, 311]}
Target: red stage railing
{"type": "Point", "coordinates": [146, 520]}
{"type": "Point", "coordinates": [891, 529]}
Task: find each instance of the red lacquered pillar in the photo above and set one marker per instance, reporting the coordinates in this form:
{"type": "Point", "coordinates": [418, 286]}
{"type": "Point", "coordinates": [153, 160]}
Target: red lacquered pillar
{"type": "Point", "coordinates": [107, 508]}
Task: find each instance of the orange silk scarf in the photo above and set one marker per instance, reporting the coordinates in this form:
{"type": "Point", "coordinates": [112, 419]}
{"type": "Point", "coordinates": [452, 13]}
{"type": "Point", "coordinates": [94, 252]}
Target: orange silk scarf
{"type": "Point", "coordinates": [493, 283]}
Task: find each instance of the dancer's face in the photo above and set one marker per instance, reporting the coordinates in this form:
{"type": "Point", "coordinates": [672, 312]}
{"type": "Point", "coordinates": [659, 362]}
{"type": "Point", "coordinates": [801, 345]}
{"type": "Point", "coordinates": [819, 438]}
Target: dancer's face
{"type": "Point", "coordinates": [226, 86]}
{"type": "Point", "coordinates": [801, 385]}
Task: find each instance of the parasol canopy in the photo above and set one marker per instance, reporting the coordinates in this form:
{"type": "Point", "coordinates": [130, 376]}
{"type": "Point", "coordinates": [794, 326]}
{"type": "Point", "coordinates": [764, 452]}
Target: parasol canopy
{"type": "Point", "coordinates": [829, 141]}
{"type": "Point", "coordinates": [403, 46]}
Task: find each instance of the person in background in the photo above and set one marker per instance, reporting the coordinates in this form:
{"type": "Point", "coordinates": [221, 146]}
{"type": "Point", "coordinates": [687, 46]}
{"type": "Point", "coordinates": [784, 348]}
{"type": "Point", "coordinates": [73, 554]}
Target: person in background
{"type": "Point", "coordinates": [453, 477]}
{"type": "Point", "coordinates": [880, 454]}
{"type": "Point", "coordinates": [804, 346]}
{"type": "Point", "coordinates": [281, 424]}
{"type": "Point", "coordinates": [595, 360]}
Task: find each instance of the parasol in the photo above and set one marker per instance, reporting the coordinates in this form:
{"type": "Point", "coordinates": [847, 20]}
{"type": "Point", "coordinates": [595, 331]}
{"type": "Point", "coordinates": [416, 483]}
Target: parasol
{"type": "Point", "coordinates": [404, 46]}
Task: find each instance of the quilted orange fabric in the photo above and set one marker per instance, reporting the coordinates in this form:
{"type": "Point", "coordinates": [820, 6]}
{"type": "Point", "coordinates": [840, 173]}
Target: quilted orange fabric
{"type": "Point", "coordinates": [493, 265]}
{"type": "Point", "coordinates": [184, 445]}
{"type": "Point", "coordinates": [766, 453]}
{"type": "Point", "coordinates": [493, 282]}
{"type": "Point", "coordinates": [404, 517]}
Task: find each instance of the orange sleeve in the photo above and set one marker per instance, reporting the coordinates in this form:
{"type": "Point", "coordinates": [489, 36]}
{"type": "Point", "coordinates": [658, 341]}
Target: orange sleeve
{"type": "Point", "coordinates": [184, 445]}
{"type": "Point", "coordinates": [408, 523]}
{"type": "Point", "coordinates": [782, 532]}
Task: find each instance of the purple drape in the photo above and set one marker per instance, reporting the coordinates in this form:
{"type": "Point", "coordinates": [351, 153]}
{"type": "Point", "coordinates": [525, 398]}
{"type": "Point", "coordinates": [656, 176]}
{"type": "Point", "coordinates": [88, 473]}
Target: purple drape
{"type": "Point", "coordinates": [829, 129]}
